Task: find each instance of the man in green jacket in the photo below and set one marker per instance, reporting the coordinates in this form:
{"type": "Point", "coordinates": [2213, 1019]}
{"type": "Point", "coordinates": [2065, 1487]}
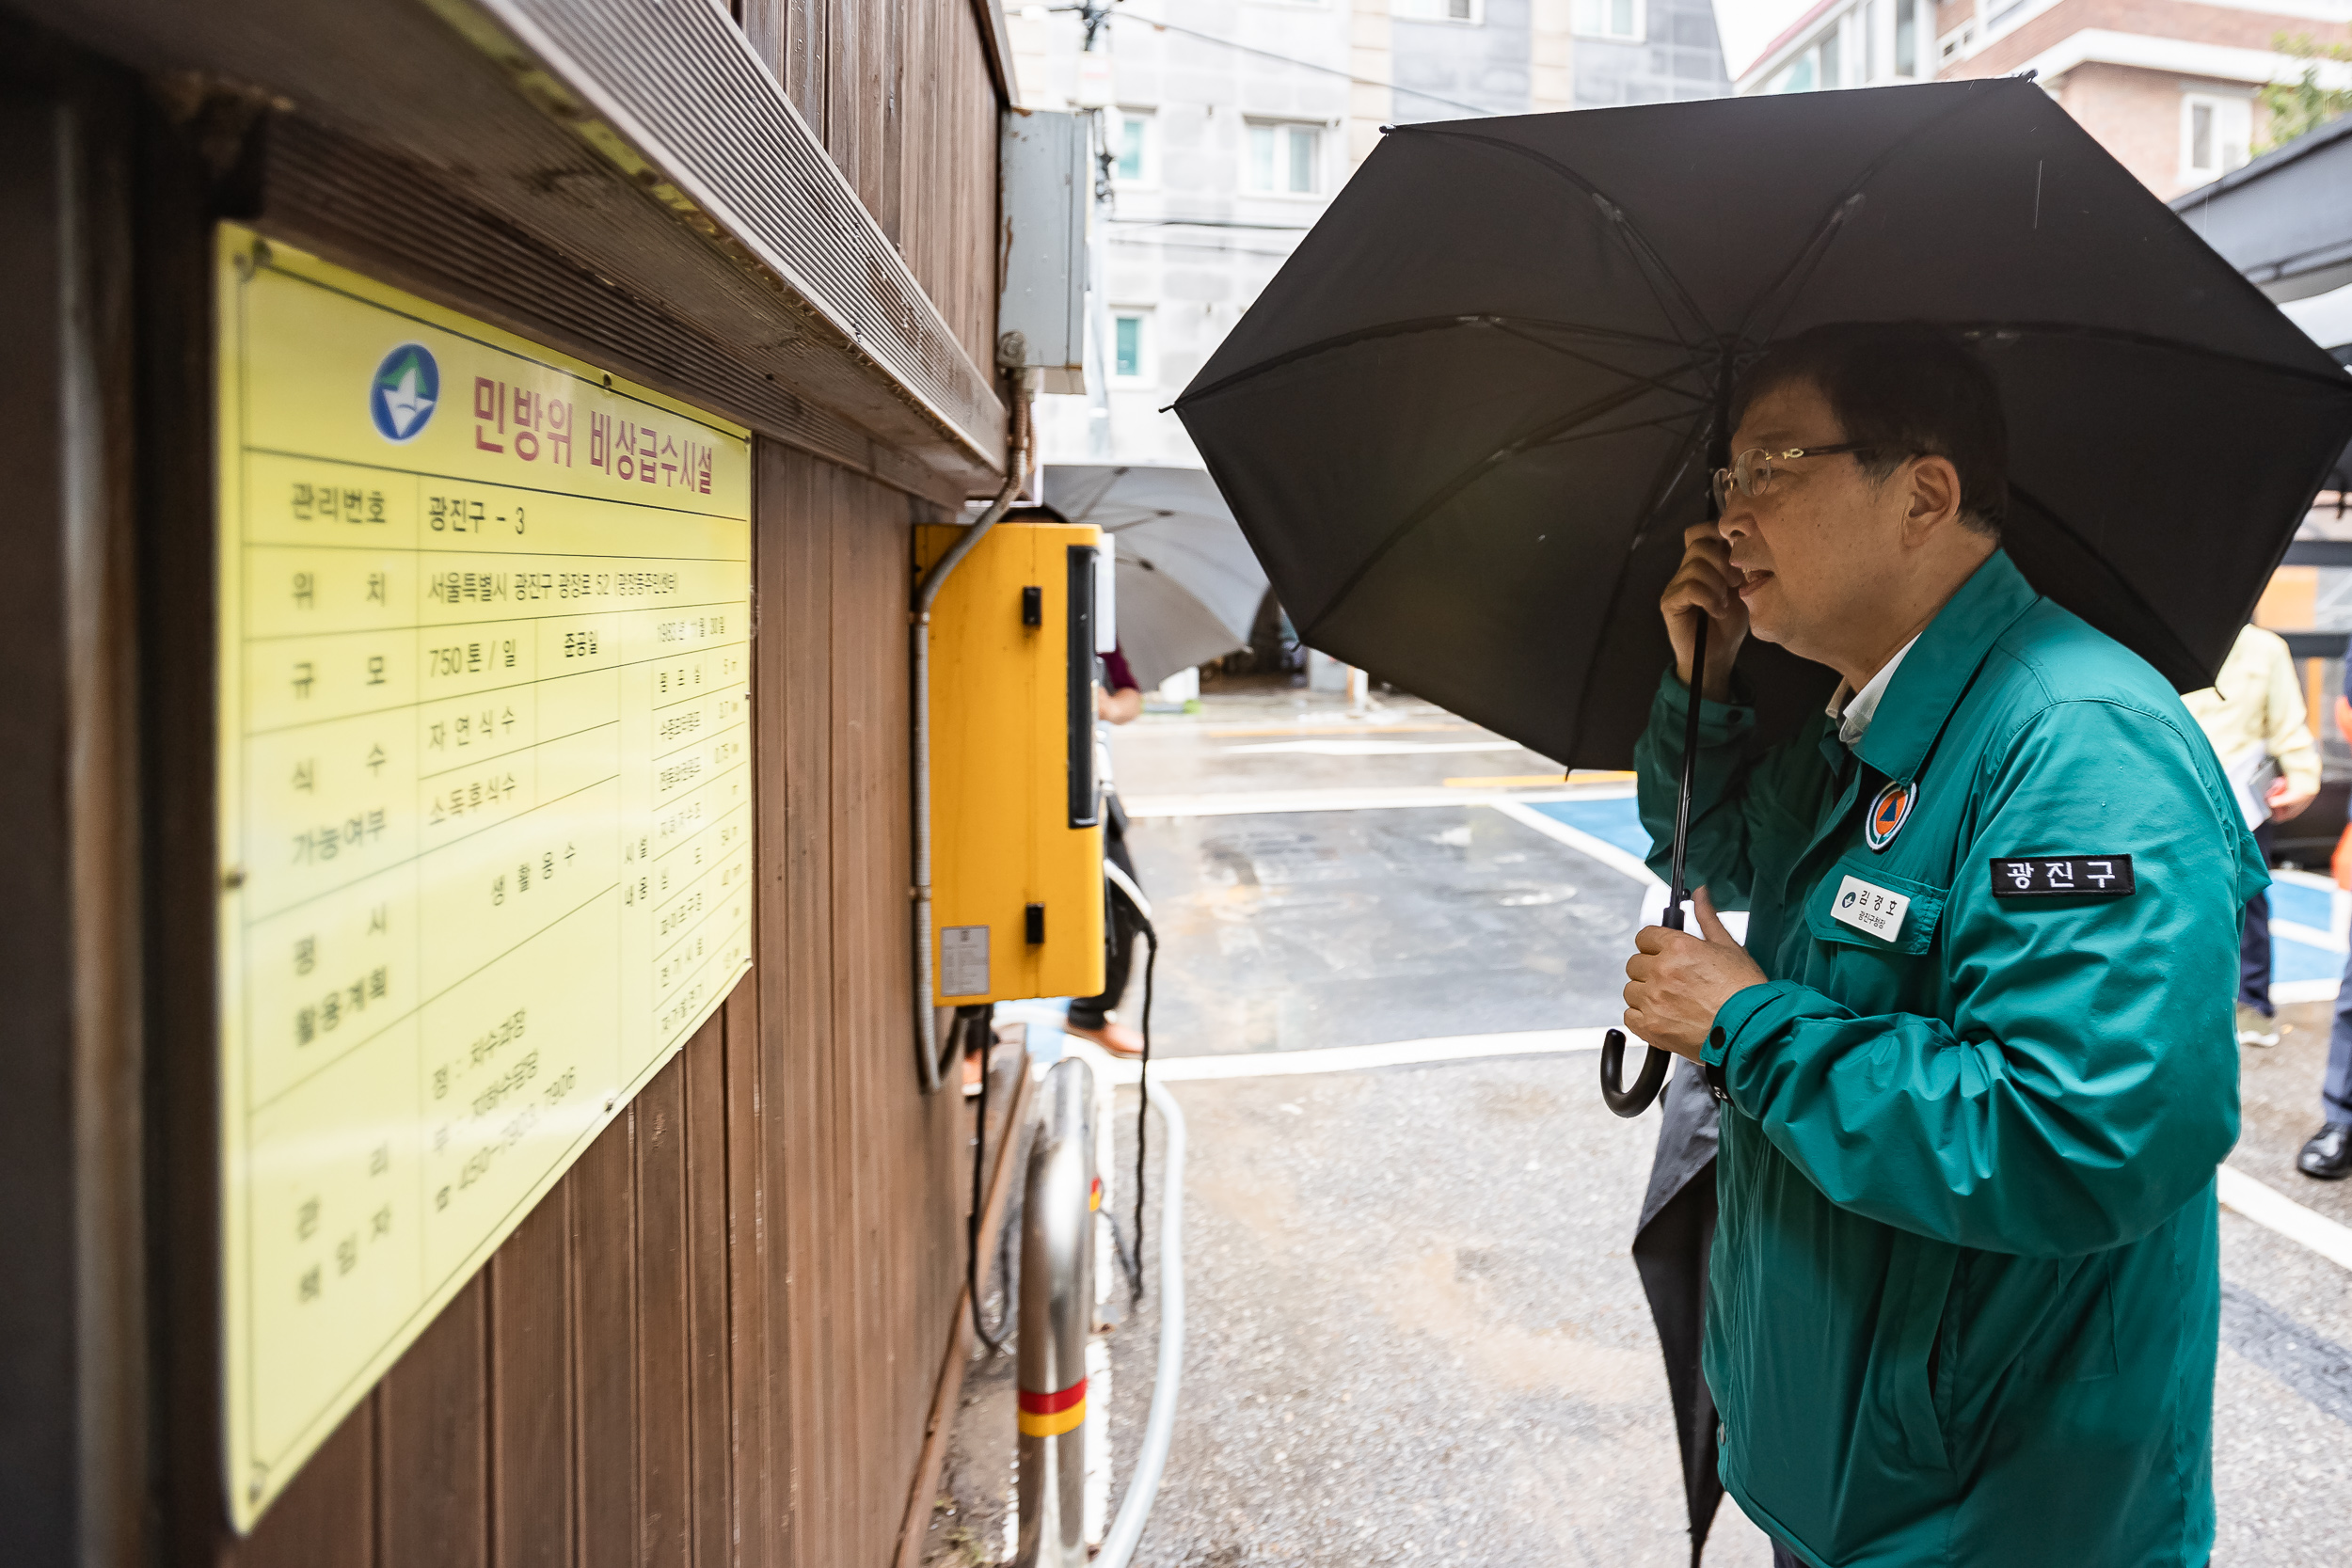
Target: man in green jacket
{"type": "Point", "coordinates": [1976, 1062]}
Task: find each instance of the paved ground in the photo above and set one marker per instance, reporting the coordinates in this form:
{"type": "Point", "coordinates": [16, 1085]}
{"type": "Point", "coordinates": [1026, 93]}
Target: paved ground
{"type": "Point", "coordinates": [1417, 1337]}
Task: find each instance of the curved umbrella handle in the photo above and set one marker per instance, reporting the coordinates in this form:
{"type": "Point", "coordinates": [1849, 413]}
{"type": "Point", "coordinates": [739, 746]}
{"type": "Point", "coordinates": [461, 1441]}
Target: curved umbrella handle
{"type": "Point", "coordinates": [1633, 1102]}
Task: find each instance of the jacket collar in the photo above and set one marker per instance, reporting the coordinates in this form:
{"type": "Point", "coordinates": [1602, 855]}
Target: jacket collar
{"type": "Point", "coordinates": [1941, 664]}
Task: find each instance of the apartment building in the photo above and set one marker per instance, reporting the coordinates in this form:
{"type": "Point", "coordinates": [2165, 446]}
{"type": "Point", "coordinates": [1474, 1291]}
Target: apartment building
{"type": "Point", "coordinates": [1225, 128]}
{"type": "Point", "coordinates": [2170, 87]}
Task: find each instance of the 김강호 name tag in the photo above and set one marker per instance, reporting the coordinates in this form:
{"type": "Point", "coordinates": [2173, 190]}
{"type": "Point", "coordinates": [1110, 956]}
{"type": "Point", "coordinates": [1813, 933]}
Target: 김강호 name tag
{"type": "Point", "coordinates": [1869, 909]}
{"type": "Point", "coordinates": [2062, 876]}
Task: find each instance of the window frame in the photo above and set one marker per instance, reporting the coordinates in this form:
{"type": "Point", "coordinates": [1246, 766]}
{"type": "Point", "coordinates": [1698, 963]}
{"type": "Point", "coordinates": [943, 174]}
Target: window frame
{"type": "Point", "coordinates": [1147, 348]}
{"type": "Point", "coordinates": [1280, 190]}
{"type": "Point", "coordinates": [1641, 25]}
{"type": "Point", "coordinates": [2219, 102]}
{"type": "Point", "coordinates": [1477, 17]}
{"type": "Point", "coordinates": [1147, 160]}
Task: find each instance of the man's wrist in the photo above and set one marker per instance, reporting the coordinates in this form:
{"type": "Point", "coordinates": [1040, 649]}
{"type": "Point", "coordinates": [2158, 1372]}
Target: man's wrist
{"type": "Point", "coordinates": [1724, 1036]}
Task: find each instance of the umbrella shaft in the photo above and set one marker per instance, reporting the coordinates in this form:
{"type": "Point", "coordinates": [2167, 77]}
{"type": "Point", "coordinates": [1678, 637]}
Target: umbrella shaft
{"type": "Point", "coordinates": [1681, 891]}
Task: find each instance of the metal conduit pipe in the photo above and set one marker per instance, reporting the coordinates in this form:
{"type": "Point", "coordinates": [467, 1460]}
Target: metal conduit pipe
{"type": "Point", "coordinates": [919, 648]}
{"type": "Point", "coordinates": [1057, 1318]}
{"type": "Point", "coordinates": [1159, 1428]}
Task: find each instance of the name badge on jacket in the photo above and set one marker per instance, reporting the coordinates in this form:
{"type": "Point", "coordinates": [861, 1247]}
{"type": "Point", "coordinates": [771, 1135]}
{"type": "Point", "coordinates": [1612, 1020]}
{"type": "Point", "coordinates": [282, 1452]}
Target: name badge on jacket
{"type": "Point", "coordinates": [1872, 908]}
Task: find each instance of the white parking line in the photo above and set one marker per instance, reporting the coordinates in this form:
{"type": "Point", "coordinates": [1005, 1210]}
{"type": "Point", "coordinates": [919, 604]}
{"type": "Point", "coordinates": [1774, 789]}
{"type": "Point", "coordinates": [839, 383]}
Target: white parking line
{"type": "Point", "coordinates": [1582, 843]}
{"type": "Point", "coordinates": [2275, 1210]}
{"type": "Point", "coordinates": [1254, 803]}
{"type": "Point", "coordinates": [1360, 1058]}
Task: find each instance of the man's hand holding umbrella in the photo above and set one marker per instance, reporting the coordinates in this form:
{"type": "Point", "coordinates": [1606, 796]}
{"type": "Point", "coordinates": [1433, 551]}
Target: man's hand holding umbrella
{"type": "Point", "coordinates": [1678, 981]}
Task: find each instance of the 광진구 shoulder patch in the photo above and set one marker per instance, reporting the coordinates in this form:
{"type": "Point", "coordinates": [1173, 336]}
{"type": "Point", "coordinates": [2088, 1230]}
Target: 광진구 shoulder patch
{"type": "Point", "coordinates": [2062, 876]}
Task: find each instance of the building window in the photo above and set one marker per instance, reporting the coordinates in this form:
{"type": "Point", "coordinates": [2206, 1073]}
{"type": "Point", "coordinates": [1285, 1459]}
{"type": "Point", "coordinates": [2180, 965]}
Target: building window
{"type": "Point", "coordinates": [1832, 76]}
{"type": "Point", "coordinates": [2214, 134]}
{"type": "Point", "coordinates": [1130, 347]}
{"type": "Point", "coordinates": [1471, 11]}
{"type": "Point", "coordinates": [1131, 153]}
{"type": "Point", "coordinates": [1959, 43]}
{"type": "Point", "coordinates": [1285, 160]}
{"type": "Point", "coordinates": [1906, 39]}
{"type": "Point", "coordinates": [1621, 20]}
{"type": "Point", "coordinates": [1801, 75]}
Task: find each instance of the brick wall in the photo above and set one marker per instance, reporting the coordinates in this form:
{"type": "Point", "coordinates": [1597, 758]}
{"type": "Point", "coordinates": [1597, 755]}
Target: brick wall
{"type": "Point", "coordinates": [2171, 19]}
{"type": "Point", "coordinates": [2135, 114]}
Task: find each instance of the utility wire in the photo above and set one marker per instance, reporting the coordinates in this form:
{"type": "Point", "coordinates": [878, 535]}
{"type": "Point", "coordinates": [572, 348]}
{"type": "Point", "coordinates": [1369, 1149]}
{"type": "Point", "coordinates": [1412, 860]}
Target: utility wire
{"type": "Point", "coordinates": [1213, 223]}
{"type": "Point", "coordinates": [1199, 244]}
{"type": "Point", "coordinates": [1288, 59]}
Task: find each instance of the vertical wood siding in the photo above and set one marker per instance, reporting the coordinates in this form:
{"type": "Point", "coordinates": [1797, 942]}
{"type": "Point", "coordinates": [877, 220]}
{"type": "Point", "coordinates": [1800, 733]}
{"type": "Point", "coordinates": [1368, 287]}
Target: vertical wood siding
{"type": "Point", "coordinates": [715, 1344]}
{"type": "Point", "coordinates": [900, 93]}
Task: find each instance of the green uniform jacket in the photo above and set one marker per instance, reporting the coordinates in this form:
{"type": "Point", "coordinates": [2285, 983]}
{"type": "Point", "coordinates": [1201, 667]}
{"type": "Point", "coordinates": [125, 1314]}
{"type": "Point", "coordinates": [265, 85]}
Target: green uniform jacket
{"type": "Point", "coordinates": [1965, 1290]}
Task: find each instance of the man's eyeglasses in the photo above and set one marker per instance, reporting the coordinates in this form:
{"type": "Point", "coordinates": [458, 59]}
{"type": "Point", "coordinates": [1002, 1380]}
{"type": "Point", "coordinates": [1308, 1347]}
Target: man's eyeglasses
{"type": "Point", "coordinates": [1750, 472]}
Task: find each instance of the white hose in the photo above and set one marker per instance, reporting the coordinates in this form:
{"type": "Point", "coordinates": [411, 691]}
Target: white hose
{"type": "Point", "coordinates": [1159, 1429]}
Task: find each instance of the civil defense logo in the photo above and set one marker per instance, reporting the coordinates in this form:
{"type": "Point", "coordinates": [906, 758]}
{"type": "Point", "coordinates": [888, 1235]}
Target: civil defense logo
{"type": "Point", "coordinates": [407, 387]}
{"type": "Point", "coordinates": [1889, 811]}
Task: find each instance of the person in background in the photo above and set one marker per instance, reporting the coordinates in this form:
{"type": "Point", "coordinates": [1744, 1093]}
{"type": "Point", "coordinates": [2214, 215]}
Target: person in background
{"type": "Point", "coordinates": [2328, 1155]}
{"type": "Point", "coordinates": [2255, 716]}
{"type": "Point", "coordinates": [1118, 700]}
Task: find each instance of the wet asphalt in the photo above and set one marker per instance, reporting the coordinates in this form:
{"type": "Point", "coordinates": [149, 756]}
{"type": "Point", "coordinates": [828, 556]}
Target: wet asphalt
{"type": "Point", "coordinates": [1416, 1333]}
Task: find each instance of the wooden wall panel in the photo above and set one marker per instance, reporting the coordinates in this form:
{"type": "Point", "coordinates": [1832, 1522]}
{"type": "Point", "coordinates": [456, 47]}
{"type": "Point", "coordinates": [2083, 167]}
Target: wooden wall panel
{"type": "Point", "coordinates": [753, 1518]}
{"type": "Point", "coordinates": [530, 1391]}
{"type": "Point", "coordinates": [326, 1518]}
{"type": "Point", "coordinates": [709, 1469]}
{"type": "Point", "coordinates": [433, 1443]}
{"type": "Point", "coordinates": [604, 1347]}
{"type": "Point", "coordinates": [661, 1350]}
{"type": "Point", "coordinates": [866, 1296]}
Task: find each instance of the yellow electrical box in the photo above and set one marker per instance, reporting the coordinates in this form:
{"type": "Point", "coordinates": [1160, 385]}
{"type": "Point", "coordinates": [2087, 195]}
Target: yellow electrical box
{"type": "Point", "coordinates": [1016, 808]}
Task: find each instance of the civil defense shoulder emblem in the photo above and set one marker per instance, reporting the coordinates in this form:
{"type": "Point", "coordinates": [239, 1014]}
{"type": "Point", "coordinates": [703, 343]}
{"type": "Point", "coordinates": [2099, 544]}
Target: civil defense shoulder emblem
{"type": "Point", "coordinates": [407, 390]}
{"type": "Point", "coordinates": [1889, 811]}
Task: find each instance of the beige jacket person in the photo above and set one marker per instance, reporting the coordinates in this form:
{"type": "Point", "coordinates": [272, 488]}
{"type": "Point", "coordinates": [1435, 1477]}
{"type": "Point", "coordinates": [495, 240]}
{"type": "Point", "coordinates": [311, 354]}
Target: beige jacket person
{"type": "Point", "coordinates": [2257, 701]}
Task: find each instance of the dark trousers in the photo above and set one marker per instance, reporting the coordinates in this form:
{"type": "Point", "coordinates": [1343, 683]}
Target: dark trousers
{"type": "Point", "coordinates": [2253, 944]}
{"type": "Point", "coordinates": [2335, 1093]}
{"type": "Point", "coordinates": [1119, 943]}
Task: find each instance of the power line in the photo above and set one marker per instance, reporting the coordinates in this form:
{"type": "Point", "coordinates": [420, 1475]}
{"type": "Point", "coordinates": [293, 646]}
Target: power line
{"type": "Point", "coordinates": [1213, 223]}
{"type": "Point", "coordinates": [1091, 10]}
{"type": "Point", "coordinates": [1312, 65]}
{"type": "Point", "coordinates": [1197, 245]}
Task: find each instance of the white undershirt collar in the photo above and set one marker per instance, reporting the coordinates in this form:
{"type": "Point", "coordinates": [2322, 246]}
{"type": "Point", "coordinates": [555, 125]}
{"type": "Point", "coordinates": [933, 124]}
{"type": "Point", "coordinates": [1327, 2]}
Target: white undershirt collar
{"type": "Point", "coordinates": [1852, 709]}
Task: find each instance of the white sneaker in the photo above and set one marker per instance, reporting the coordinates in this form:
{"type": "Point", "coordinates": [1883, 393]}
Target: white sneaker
{"type": "Point", "coordinates": [2254, 1029]}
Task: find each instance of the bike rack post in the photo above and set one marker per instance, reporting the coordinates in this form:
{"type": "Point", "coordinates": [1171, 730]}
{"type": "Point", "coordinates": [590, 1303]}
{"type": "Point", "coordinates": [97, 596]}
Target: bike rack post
{"type": "Point", "coordinates": [1057, 1318]}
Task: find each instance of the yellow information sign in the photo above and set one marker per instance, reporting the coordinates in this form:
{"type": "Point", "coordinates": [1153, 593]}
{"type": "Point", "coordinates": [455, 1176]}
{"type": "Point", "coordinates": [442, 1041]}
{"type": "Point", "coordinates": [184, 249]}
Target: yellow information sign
{"type": "Point", "coordinates": [484, 784]}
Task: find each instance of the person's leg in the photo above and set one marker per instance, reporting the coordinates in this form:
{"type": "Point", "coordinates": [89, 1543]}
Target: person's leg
{"type": "Point", "coordinates": [2335, 1092]}
{"type": "Point", "coordinates": [2327, 1157]}
{"type": "Point", "coordinates": [1118, 948]}
{"type": "Point", "coordinates": [1784, 1557]}
{"type": "Point", "coordinates": [2253, 953]}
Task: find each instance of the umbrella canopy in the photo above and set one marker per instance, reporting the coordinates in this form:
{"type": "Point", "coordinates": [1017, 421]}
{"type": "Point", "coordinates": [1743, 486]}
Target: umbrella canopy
{"type": "Point", "coordinates": [1187, 585]}
{"type": "Point", "coordinates": [1466, 423]}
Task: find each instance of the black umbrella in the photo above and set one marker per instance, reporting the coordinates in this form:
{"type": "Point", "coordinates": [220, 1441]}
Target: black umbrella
{"type": "Point", "coordinates": [1466, 423]}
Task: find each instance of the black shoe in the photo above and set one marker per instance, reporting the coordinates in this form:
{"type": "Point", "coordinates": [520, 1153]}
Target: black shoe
{"type": "Point", "coordinates": [2328, 1156]}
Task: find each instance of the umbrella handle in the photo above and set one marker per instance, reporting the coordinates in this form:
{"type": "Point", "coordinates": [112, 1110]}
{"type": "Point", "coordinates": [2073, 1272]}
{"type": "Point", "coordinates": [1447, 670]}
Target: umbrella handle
{"type": "Point", "coordinates": [1633, 1102]}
